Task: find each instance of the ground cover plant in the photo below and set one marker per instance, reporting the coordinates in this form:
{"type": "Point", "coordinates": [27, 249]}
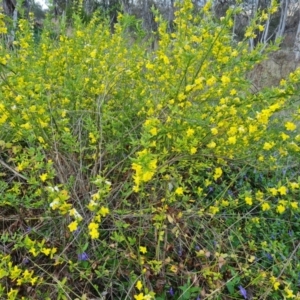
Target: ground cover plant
{"type": "Point", "coordinates": [131, 173]}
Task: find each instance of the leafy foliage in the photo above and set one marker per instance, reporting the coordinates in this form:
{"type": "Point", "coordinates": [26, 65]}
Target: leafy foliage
{"type": "Point", "coordinates": [129, 173]}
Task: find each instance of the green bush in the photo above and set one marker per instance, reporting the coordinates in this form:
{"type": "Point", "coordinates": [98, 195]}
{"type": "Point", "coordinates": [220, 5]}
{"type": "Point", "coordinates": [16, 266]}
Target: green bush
{"type": "Point", "coordinates": [135, 174]}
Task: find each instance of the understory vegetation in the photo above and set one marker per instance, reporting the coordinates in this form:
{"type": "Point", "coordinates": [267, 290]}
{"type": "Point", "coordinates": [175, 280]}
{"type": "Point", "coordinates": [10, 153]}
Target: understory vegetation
{"type": "Point", "coordinates": [136, 173]}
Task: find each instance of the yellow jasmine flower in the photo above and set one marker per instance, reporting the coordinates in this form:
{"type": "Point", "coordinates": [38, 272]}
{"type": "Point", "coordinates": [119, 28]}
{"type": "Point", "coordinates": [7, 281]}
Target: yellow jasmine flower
{"type": "Point", "coordinates": [214, 131]}
{"type": "Point", "coordinates": [147, 176]}
{"type": "Point", "coordinates": [94, 234]}
{"type": "Point", "coordinates": [153, 131]}
{"type": "Point", "coordinates": [193, 150]}
{"type": "Point", "coordinates": [15, 272]}
{"type": "Point", "coordinates": [12, 294]}
{"type": "Point", "coordinates": [225, 203]}
{"type": "Point", "coordinates": [289, 293]}
{"type": "Point", "coordinates": [294, 185]}
{"type": "Point", "coordinates": [273, 191]}
{"type": "Point", "coordinates": [93, 226]}
{"type": "Point", "coordinates": [282, 190]}
{"type": "Point", "coordinates": [232, 140]}
{"type": "Point", "coordinates": [268, 146]}
{"type": "Point", "coordinates": [290, 126]}
{"type": "Point", "coordinates": [225, 79]}
{"type": "Point", "coordinates": [143, 249]}
{"type": "Point", "coordinates": [33, 280]}
{"type": "Point", "coordinates": [284, 136]}
{"type": "Point", "coordinates": [218, 173]}
{"type": "Point", "coordinates": [248, 200]}
{"type": "Point", "coordinates": [46, 251]}
{"type": "Point", "coordinates": [190, 132]}
{"type": "Point", "coordinates": [179, 191]}
{"type": "Point", "coordinates": [140, 296]}
{"type": "Point", "coordinates": [139, 285]}
{"type": "Point", "coordinates": [73, 226]}
{"type": "Point", "coordinates": [276, 285]}
{"type": "Point", "coordinates": [104, 211]}
{"type": "Point", "coordinates": [33, 251]}
{"type": "Point", "coordinates": [294, 205]}
{"type": "Point", "coordinates": [174, 269]}
{"type": "Point", "coordinates": [211, 145]}
{"type": "Point", "coordinates": [260, 27]}
{"type": "Point", "coordinates": [43, 177]}
{"type": "Point", "coordinates": [214, 209]}
{"type": "Point", "coordinates": [265, 206]}
{"type": "Point", "coordinates": [280, 209]}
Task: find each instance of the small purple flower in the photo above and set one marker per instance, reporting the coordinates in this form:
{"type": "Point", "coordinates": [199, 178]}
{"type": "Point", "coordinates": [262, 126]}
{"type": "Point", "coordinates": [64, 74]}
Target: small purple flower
{"type": "Point", "coordinates": [28, 229]}
{"type": "Point", "coordinates": [269, 256]}
{"type": "Point", "coordinates": [243, 292]}
{"type": "Point", "coordinates": [77, 231]}
{"type": "Point", "coordinates": [25, 261]}
{"type": "Point", "coordinates": [230, 192]}
{"type": "Point", "coordinates": [171, 292]}
{"type": "Point", "coordinates": [180, 252]}
{"type": "Point", "coordinates": [210, 189]}
{"type": "Point", "coordinates": [83, 256]}
{"type": "Point", "coordinates": [197, 248]}
{"type": "Point", "coordinates": [198, 298]}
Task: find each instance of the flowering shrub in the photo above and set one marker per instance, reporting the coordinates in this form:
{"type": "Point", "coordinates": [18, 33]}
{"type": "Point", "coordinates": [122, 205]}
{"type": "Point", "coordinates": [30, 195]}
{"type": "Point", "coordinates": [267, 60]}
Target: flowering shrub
{"type": "Point", "coordinates": [127, 173]}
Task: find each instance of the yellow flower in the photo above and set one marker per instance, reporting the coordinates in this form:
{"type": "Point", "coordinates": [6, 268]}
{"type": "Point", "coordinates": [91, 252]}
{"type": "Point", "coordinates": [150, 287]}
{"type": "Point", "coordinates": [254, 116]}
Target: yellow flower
{"type": "Point", "coordinates": [143, 249]}
{"type": "Point", "coordinates": [12, 294]}
{"type": "Point", "coordinates": [268, 146]}
{"type": "Point", "coordinates": [190, 132]}
{"type": "Point", "coordinates": [218, 173]}
{"type": "Point", "coordinates": [282, 190]}
{"type": "Point", "coordinates": [93, 53]}
{"type": "Point", "coordinates": [73, 226]}
{"type": "Point", "coordinates": [273, 191]}
{"type": "Point", "coordinates": [289, 293]}
{"type": "Point", "coordinates": [147, 176]}
{"type": "Point", "coordinates": [33, 280]}
{"type": "Point", "coordinates": [214, 131]}
{"type": "Point", "coordinates": [225, 79]}
{"type": "Point", "coordinates": [280, 209]}
{"type": "Point", "coordinates": [104, 211]}
{"type": "Point", "coordinates": [179, 191]}
{"type": "Point", "coordinates": [213, 210]}
{"type": "Point", "coordinates": [174, 269]}
{"type": "Point", "coordinates": [46, 251]}
{"type": "Point", "coordinates": [33, 251]}
{"type": "Point", "coordinates": [225, 203]}
{"type": "Point", "coordinates": [232, 140]}
{"type": "Point", "coordinates": [294, 185]}
{"type": "Point", "coordinates": [265, 206]}
{"type": "Point", "coordinates": [260, 27]}
{"type": "Point", "coordinates": [211, 145]}
{"type": "Point", "coordinates": [248, 200]}
{"type": "Point", "coordinates": [284, 136]}
{"type": "Point", "coordinates": [93, 226]}
{"type": "Point", "coordinates": [211, 81]}
{"type": "Point", "coordinates": [294, 205]}
{"type": "Point", "coordinates": [276, 285]}
{"type": "Point", "coordinates": [290, 126]}
{"type": "Point", "coordinates": [140, 296]}
{"type": "Point", "coordinates": [43, 177]}
{"type": "Point", "coordinates": [94, 234]}
{"type": "Point", "coordinates": [15, 272]}
{"type": "Point", "coordinates": [139, 285]}
{"type": "Point", "coordinates": [193, 150]}
{"type": "Point", "coordinates": [153, 131]}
